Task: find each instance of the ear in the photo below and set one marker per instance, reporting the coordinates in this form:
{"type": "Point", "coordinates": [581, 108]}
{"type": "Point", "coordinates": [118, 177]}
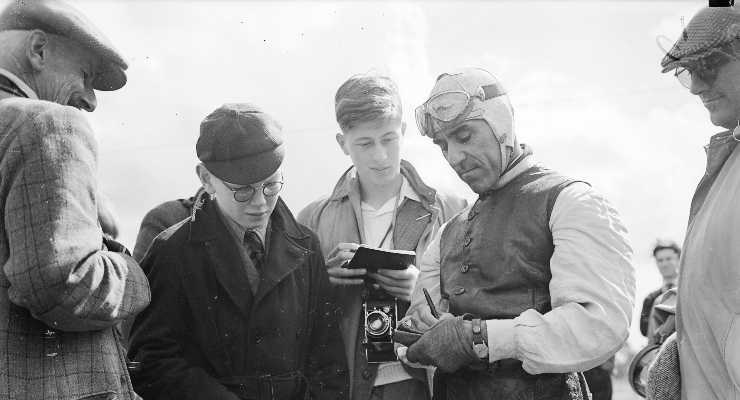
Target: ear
{"type": "Point", "coordinates": [38, 49]}
{"type": "Point", "coordinates": [342, 142]}
{"type": "Point", "coordinates": [205, 178]}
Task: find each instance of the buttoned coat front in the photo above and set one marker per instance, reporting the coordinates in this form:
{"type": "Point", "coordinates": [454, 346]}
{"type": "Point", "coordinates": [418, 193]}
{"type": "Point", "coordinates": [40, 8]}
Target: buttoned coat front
{"type": "Point", "coordinates": [205, 330]}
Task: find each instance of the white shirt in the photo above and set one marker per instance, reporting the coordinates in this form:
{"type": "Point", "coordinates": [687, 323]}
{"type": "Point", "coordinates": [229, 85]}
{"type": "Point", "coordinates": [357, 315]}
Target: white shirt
{"type": "Point", "coordinates": [592, 290]}
{"type": "Point", "coordinates": [376, 223]}
{"type": "Point", "coordinates": [378, 232]}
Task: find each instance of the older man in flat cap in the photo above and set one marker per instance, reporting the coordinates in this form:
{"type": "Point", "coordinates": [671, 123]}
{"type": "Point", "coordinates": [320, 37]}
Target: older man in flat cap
{"type": "Point", "coordinates": [63, 285]}
{"type": "Point", "coordinates": [241, 305]}
{"type": "Point", "coordinates": [536, 276]}
{"type": "Point", "coordinates": [705, 59]}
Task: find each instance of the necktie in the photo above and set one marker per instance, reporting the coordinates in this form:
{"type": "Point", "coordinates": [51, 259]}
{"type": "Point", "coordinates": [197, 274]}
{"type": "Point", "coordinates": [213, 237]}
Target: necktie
{"type": "Point", "coordinates": [255, 248]}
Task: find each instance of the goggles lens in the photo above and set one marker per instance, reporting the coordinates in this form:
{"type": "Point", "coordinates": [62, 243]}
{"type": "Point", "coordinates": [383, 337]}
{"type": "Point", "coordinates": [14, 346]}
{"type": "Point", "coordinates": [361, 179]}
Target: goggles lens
{"type": "Point", "coordinates": [447, 108]}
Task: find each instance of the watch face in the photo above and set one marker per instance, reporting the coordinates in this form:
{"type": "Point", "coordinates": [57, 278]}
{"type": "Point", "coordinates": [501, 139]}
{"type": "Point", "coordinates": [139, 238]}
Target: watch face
{"type": "Point", "coordinates": [481, 350]}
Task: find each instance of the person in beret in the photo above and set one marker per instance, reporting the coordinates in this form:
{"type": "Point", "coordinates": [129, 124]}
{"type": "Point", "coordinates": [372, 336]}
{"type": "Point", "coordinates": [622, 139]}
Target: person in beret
{"type": "Point", "coordinates": [64, 285]}
{"type": "Point", "coordinates": [705, 59]}
{"type": "Point", "coordinates": [241, 304]}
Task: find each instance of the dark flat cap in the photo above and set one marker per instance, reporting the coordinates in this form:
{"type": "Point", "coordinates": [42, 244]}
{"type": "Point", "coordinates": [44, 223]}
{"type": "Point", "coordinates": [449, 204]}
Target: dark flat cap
{"type": "Point", "coordinates": [710, 29]}
{"type": "Point", "coordinates": [240, 144]}
{"type": "Point", "coordinates": [59, 18]}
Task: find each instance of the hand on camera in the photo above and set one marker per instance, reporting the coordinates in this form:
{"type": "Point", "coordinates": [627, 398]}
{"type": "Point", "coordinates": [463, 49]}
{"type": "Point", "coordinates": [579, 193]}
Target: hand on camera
{"type": "Point", "coordinates": [398, 283]}
{"type": "Point", "coordinates": [338, 257]}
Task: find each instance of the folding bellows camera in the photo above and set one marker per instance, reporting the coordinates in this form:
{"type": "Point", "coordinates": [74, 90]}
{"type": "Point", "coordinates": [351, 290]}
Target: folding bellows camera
{"type": "Point", "coordinates": [380, 309]}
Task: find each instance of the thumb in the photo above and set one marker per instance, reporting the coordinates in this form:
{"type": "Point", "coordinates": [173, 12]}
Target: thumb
{"type": "Point", "coordinates": [413, 353]}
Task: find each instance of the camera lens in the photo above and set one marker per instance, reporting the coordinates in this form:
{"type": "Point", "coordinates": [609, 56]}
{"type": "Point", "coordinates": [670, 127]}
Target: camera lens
{"type": "Point", "coordinates": [377, 323]}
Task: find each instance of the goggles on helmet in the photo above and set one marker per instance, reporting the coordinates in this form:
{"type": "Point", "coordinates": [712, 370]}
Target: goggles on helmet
{"type": "Point", "coordinates": [451, 107]}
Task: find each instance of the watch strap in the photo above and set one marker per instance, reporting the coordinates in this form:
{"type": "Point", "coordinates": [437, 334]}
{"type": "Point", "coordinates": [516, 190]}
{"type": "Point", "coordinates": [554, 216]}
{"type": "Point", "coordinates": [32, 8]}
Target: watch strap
{"type": "Point", "coordinates": [480, 343]}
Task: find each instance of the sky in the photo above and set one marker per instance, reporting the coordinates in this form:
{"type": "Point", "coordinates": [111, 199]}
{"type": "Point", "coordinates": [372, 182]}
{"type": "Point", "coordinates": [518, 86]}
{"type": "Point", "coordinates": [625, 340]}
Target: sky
{"type": "Point", "coordinates": [584, 79]}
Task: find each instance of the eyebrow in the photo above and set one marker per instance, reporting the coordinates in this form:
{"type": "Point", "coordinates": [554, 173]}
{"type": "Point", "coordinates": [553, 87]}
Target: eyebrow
{"type": "Point", "coordinates": [458, 131]}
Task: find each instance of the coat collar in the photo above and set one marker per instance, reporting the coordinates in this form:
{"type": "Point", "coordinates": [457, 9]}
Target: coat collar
{"type": "Point", "coordinates": [349, 184]}
{"type": "Point", "coordinates": [19, 86]}
{"type": "Point", "coordinates": [206, 225]}
{"type": "Point", "coordinates": [288, 251]}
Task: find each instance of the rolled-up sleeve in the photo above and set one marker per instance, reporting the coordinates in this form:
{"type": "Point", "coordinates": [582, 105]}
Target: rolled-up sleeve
{"type": "Point", "coordinates": [592, 292]}
{"type": "Point", "coordinates": [58, 268]}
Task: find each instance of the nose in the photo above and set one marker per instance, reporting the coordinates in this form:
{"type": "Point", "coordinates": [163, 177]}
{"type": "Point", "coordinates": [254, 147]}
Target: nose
{"type": "Point", "coordinates": [380, 153]}
{"type": "Point", "coordinates": [258, 199]}
{"type": "Point", "coordinates": [698, 85]}
{"type": "Point", "coordinates": [86, 101]}
{"type": "Point", "coordinates": [454, 156]}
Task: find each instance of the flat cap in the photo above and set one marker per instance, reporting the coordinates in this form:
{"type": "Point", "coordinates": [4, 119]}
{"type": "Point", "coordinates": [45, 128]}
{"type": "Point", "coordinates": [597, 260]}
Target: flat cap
{"type": "Point", "coordinates": [59, 18]}
{"type": "Point", "coordinates": [240, 144]}
{"type": "Point", "coordinates": [710, 29]}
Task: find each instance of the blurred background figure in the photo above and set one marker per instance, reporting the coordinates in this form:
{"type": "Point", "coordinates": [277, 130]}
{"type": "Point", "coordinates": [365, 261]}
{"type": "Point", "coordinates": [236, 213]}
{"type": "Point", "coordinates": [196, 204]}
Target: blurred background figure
{"type": "Point", "coordinates": [667, 254]}
{"type": "Point", "coordinates": [160, 218]}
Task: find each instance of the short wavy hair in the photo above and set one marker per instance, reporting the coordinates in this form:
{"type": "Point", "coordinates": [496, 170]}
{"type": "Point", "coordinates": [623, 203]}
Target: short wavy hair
{"type": "Point", "coordinates": [364, 98]}
{"type": "Point", "coordinates": [661, 244]}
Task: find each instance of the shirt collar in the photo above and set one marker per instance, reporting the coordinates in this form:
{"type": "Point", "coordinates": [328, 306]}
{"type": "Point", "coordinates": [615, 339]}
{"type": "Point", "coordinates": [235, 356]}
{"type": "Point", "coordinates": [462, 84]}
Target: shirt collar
{"type": "Point", "coordinates": [19, 84]}
{"type": "Point", "coordinates": [406, 192]}
{"type": "Point", "coordinates": [237, 230]}
{"type": "Point", "coordinates": [525, 162]}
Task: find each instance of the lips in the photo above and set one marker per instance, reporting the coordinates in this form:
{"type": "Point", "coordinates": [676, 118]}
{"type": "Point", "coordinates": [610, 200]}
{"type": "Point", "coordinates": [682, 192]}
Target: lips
{"type": "Point", "coordinates": [711, 101]}
{"type": "Point", "coordinates": [383, 169]}
{"type": "Point", "coordinates": [256, 214]}
{"type": "Point", "coordinates": [468, 172]}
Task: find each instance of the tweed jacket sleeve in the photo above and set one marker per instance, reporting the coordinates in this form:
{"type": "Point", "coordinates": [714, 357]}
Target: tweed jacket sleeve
{"type": "Point", "coordinates": [58, 267]}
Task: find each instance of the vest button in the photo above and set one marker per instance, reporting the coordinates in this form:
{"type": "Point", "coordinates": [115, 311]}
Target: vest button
{"type": "Point", "coordinates": [464, 268]}
{"type": "Point", "coordinates": [366, 374]}
{"type": "Point", "coordinates": [459, 291]}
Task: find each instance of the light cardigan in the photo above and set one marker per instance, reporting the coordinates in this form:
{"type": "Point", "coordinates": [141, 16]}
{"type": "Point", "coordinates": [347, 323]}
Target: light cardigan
{"type": "Point", "coordinates": [592, 288]}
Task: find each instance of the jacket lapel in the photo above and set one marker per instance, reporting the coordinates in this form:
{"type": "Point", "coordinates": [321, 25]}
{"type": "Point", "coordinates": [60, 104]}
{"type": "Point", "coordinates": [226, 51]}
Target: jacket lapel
{"type": "Point", "coordinates": [285, 254]}
{"type": "Point", "coordinates": [226, 262]}
{"type": "Point", "coordinates": [718, 151]}
{"type": "Point", "coordinates": [412, 221]}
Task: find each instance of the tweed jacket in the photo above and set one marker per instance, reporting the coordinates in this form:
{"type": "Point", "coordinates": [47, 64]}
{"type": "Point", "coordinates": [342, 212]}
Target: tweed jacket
{"type": "Point", "coordinates": [61, 291]}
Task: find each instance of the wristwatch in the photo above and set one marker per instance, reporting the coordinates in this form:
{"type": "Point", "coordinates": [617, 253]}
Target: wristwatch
{"type": "Point", "coordinates": [480, 342]}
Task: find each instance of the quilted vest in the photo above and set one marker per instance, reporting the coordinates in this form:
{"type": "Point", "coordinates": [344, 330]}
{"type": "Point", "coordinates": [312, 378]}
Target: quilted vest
{"type": "Point", "coordinates": [495, 264]}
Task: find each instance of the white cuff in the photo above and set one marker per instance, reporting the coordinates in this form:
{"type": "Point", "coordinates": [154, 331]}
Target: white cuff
{"type": "Point", "coordinates": [501, 344]}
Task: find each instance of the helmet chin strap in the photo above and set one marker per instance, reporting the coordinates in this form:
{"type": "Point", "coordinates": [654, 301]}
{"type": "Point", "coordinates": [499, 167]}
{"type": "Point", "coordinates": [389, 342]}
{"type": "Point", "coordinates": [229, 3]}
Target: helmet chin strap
{"type": "Point", "coordinates": [499, 116]}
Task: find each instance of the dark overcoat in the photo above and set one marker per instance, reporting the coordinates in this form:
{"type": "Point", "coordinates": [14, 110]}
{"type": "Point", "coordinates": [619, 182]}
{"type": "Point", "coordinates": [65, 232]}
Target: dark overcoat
{"type": "Point", "coordinates": [206, 336]}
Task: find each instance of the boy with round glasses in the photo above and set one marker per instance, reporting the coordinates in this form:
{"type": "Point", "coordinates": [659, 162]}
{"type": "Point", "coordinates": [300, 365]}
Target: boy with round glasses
{"type": "Point", "coordinates": [707, 343]}
{"type": "Point", "coordinates": [382, 202]}
{"type": "Point", "coordinates": [241, 299]}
